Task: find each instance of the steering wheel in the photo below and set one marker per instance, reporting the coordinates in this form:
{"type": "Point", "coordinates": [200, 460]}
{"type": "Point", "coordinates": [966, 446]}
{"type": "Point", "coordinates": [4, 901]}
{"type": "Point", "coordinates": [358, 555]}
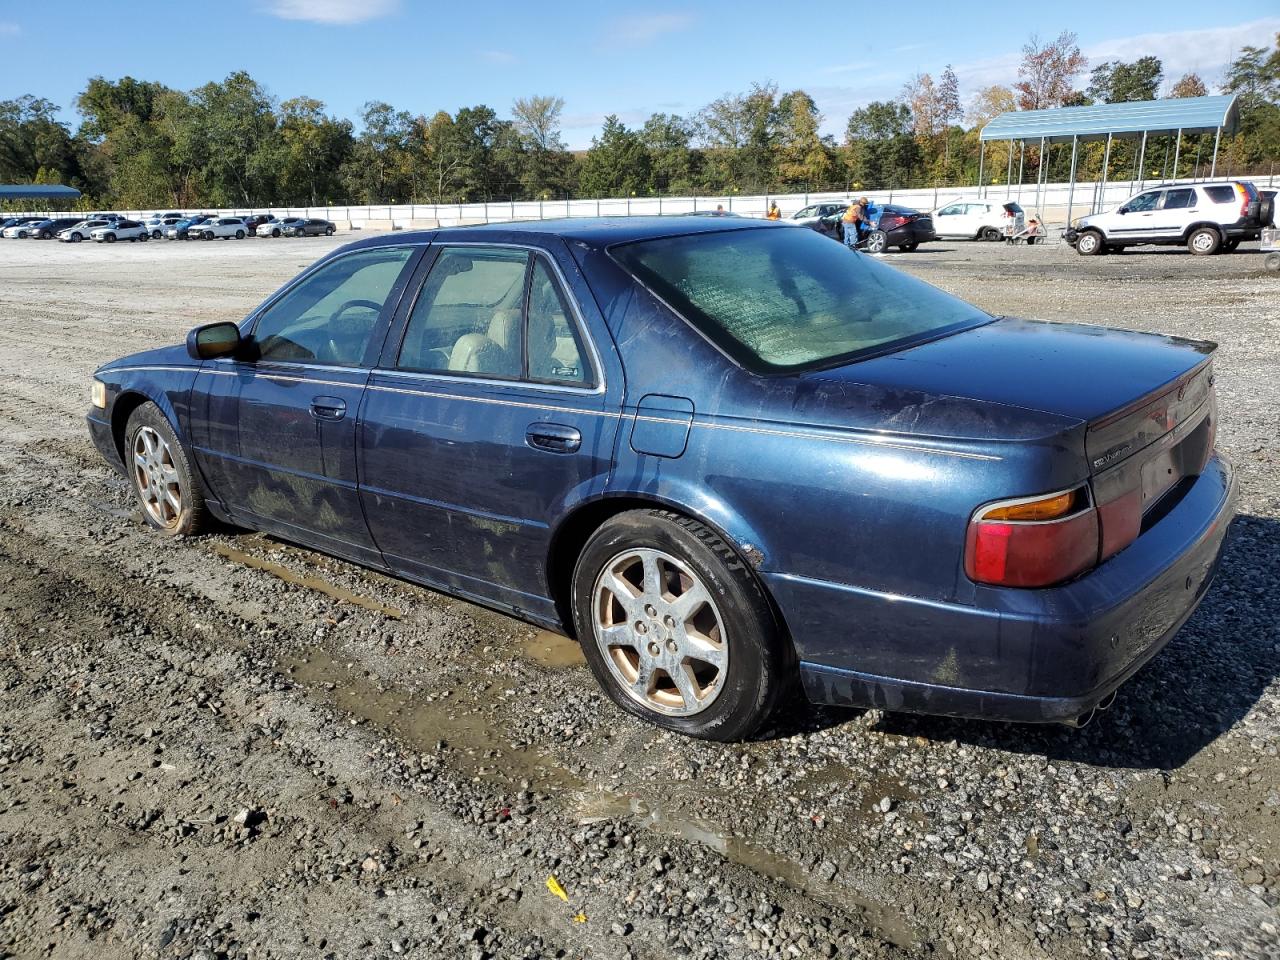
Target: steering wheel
{"type": "Point", "coordinates": [352, 304]}
{"type": "Point", "coordinates": [334, 353]}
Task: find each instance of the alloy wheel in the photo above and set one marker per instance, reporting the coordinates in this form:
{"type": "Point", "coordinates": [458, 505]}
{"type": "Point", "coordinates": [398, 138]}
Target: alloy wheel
{"type": "Point", "coordinates": [156, 477]}
{"type": "Point", "coordinates": [660, 633]}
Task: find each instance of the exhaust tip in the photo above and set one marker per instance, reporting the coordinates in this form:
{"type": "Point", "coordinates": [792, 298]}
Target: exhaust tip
{"type": "Point", "coordinates": [1082, 721]}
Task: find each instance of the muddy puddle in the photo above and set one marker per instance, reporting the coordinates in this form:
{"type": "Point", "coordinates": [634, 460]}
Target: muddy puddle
{"type": "Point", "coordinates": [331, 590]}
{"type": "Point", "coordinates": [553, 650]}
{"type": "Point", "coordinates": [668, 822]}
{"type": "Point", "coordinates": [422, 724]}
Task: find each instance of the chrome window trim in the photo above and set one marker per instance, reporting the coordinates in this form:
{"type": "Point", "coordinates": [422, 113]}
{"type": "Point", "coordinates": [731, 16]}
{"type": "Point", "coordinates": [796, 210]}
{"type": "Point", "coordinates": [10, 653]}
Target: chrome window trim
{"type": "Point", "coordinates": [579, 319]}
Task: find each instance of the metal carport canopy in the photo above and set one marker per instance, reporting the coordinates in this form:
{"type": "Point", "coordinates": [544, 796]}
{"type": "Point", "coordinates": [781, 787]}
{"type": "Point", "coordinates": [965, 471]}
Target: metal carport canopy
{"type": "Point", "coordinates": [1191, 115]}
{"type": "Point", "coordinates": [37, 191]}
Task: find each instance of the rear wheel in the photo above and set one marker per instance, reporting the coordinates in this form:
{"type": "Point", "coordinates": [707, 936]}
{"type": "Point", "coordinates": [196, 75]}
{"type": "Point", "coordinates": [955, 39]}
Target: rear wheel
{"type": "Point", "coordinates": [161, 475]}
{"type": "Point", "coordinates": [1204, 241]}
{"type": "Point", "coordinates": [1089, 243]}
{"type": "Point", "coordinates": [908, 247]}
{"type": "Point", "coordinates": [990, 234]}
{"type": "Point", "coordinates": [676, 627]}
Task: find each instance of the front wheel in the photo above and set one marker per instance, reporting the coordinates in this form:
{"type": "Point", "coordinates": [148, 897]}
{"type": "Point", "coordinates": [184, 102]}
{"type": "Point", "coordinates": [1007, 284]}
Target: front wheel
{"type": "Point", "coordinates": [239, 234]}
{"type": "Point", "coordinates": [328, 231]}
{"type": "Point", "coordinates": [1204, 241]}
{"type": "Point", "coordinates": [1089, 243]}
{"type": "Point", "coordinates": [145, 237]}
{"type": "Point", "coordinates": [75, 238]}
{"type": "Point", "coordinates": [110, 238]}
{"type": "Point", "coordinates": [877, 241]}
{"type": "Point", "coordinates": [676, 627]}
{"type": "Point", "coordinates": [155, 234]}
{"type": "Point", "coordinates": [161, 475]}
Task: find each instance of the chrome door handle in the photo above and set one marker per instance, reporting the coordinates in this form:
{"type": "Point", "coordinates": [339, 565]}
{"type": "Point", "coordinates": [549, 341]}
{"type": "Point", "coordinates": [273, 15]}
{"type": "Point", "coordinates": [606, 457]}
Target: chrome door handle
{"type": "Point", "coordinates": [555, 437]}
{"type": "Point", "coordinates": [328, 408]}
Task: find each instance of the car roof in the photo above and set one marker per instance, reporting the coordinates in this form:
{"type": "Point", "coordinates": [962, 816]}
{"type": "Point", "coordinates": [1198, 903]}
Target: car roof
{"type": "Point", "coordinates": [595, 232]}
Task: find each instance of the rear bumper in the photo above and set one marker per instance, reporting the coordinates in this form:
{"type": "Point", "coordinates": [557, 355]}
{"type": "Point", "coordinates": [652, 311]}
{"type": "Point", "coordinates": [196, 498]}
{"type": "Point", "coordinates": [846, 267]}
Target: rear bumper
{"type": "Point", "coordinates": [911, 233]}
{"type": "Point", "coordinates": [1022, 655]}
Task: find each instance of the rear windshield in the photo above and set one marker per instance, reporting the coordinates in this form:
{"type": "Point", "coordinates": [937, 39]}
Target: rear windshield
{"type": "Point", "coordinates": [785, 299]}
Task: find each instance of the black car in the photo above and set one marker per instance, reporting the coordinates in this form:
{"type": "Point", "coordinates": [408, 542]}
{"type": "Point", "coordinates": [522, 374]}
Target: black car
{"type": "Point", "coordinates": [300, 227]}
{"type": "Point", "coordinates": [48, 229]}
{"type": "Point", "coordinates": [899, 227]}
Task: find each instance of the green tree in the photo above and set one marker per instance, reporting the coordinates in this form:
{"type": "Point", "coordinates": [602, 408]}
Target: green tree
{"type": "Point", "coordinates": [312, 149]}
{"type": "Point", "coordinates": [380, 169]}
{"type": "Point", "coordinates": [881, 151]}
{"type": "Point", "coordinates": [547, 167]}
{"type": "Point", "coordinates": [235, 123]}
{"type": "Point", "coordinates": [674, 164]}
{"type": "Point", "coordinates": [804, 156]}
{"type": "Point", "coordinates": [617, 163]}
{"type": "Point", "coordinates": [1118, 82]}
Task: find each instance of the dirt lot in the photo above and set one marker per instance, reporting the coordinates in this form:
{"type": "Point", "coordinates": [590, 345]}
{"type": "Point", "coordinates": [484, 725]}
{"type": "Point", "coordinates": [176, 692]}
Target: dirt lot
{"type": "Point", "coordinates": [231, 747]}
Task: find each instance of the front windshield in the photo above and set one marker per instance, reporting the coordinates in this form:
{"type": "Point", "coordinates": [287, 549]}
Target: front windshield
{"type": "Point", "coordinates": [787, 298]}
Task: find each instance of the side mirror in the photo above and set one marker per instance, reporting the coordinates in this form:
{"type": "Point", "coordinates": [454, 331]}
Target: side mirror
{"type": "Point", "coordinates": [1122, 211]}
{"type": "Point", "coordinates": [213, 340]}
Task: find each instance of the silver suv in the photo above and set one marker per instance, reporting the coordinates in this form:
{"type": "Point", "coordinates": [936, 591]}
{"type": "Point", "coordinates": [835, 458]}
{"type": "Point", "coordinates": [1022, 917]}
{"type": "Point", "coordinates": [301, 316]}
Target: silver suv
{"type": "Point", "coordinates": [1207, 217]}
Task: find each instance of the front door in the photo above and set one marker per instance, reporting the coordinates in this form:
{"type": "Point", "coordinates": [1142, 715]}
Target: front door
{"type": "Point", "coordinates": [279, 447]}
{"type": "Point", "coordinates": [951, 221]}
{"type": "Point", "coordinates": [488, 417]}
{"type": "Point", "coordinates": [1139, 219]}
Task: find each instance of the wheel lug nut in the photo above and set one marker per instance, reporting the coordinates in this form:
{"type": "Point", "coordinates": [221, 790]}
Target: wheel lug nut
{"type": "Point", "coordinates": [654, 650]}
{"type": "Point", "coordinates": [671, 646]}
{"type": "Point", "coordinates": [670, 621]}
{"type": "Point", "coordinates": [641, 627]}
{"type": "Point", "coordinates": [650, 610]}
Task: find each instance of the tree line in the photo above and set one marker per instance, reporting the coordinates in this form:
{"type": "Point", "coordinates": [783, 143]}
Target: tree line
{"type": "Point", "coordinates": [229, 143]}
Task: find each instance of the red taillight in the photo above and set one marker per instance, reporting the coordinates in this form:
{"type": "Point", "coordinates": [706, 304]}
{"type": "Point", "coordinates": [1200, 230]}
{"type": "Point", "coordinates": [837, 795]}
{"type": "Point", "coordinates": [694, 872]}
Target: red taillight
{"type": "Point", "coordinates": [1244, 199]}
{"type": "Point", "coordinates": [891, 221]}
{"type": "Point", "coordinates": [1032, 542]}
{"type": "Point", "coordinates": [1120, 521]}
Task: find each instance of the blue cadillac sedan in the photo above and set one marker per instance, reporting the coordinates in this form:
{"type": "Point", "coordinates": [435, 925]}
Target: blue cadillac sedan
{"type": "Point", "coordinates": [724, 455]}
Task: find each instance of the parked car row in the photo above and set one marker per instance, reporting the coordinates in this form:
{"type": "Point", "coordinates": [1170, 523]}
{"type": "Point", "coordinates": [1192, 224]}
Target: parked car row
{"type": "Point", "coordinates": [112, 227]}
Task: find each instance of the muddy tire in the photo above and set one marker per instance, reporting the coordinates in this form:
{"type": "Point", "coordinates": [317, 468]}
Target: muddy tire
{"type": "Point", "coordinates": [1204, 241]}
{"type": "Point", "coordinates": [161, 475]}
{"type": "Point", "coordinates": [990, 234]}
{"type": "Point", "coordinates": [1089, 243]}
{"type": "Point", "coordinates": [677, 628]}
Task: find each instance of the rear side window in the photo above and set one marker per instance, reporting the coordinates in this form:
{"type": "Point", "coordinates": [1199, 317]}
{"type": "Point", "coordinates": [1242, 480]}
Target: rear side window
{"type": "Point", "coordinates": [1179, 199]}
{"type": "Point", "coordinates": [467, 319]}
{"type": "Point", "coordinates": [1220, 194]}
{"type": "Point", "coordinates": [783, 300]}
{"type": "Point", "coordinates": [555, 350]}
{"type": "Point", "coordinates": [330, 316]}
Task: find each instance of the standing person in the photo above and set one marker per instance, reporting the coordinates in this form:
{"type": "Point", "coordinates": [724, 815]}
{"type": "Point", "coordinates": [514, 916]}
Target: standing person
{"type": "Point", "coordinates": [774, 213]}
{"type": "Point", "coordinates": [852, 221]}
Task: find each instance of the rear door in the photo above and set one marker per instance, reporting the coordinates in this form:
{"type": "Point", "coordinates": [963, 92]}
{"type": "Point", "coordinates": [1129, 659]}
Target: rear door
{"type": "Point", "coordinates": [277, 444]}
{"type": "Point", "coordinates": [493, 412]}
{"type": "Point", "coordinates": [1177, 208]}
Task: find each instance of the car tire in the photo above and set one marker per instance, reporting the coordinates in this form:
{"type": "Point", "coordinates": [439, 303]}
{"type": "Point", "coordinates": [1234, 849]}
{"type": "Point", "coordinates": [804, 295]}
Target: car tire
{"type": "Point", "coordinates": [877, 241]}
{"type": "Point", "coordinates": [109, 238]}
{"type": "Point", "coordinates": [275, 233]}
{"type": "Point", "coordinates": [990, 234]}
{"type": "Point", "coordinates": [239, 234]}
{"type": "Point", "coordinates": [145, 237]}
{"type": "Point", "coordinates": [733, 620]}
{"type": "Point", "coordinates": [75, 238]}
{"type": "Point", "coordinates": [206, 236]}
{"type": "Point", "coordinates": [908, 247]}
{"type": "Point", "coordinates": [161, 476]}
{"type": "Point", "coordinates": [155, 234]}
{"type": "Point", "coordinates": [1089, 243]}
{"type": "Point", "coordinates": [328, 231]}
{"type": "Point", "coordinates": [1204, 241]}
{"type": "Point", "coordinates": [1031, 241]}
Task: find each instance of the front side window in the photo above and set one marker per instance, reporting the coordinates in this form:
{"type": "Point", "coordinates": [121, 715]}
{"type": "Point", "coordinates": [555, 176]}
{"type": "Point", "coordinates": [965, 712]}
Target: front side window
{"type": "Point", "coordinates": [467, 319]}
{"type": "Point", "coordinates": [330, 316]}
{"type": "Point", "coordinates": [1143, 201]}
{"type": "Point", "coordinates": [783, 300]}
{"type": "Point", "coordinates": [954, 210]}
{"type": "Point", "coordinates": [1179, 199]}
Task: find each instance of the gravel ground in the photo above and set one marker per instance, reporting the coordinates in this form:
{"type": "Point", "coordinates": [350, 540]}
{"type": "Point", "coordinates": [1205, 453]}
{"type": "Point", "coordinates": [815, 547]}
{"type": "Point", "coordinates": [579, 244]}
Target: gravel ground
{"type": "Point", "coordinates": [231, 747]}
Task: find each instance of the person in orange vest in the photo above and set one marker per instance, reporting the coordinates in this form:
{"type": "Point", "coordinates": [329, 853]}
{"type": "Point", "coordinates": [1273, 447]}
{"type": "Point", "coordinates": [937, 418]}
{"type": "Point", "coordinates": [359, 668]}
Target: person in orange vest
{"type": "Point", "coordinates": [855, 217]}
{"type": "Point", "coordinates": [774, 213]}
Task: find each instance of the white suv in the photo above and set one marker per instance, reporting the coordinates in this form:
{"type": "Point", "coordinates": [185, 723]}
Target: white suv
{"type": "Point", "coordinates": [978, 219]}
{"type": "Point", "coordinates": [224, 227]}
{"type": "Point", "coordinates": [1207, 217]}
{"type": "Point", "coordinates": [130, 230]}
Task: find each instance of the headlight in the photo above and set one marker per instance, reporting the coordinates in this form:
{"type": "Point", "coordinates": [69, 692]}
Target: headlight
{"type": "Point", "coordinates": [98, 395]}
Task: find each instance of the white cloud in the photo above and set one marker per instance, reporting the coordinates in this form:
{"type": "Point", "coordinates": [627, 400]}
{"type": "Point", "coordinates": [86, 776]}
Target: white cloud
{"type": "Point", "coordinates": [645, 28]}
{"type": "Point", "coordinates": [498, 56]}
{"type": "Point", "coordinates": [332, 11]}
{"type": "Point", "coordinates": [1206, 52]}
{"type": "Point", "coordinates": [8, 29]}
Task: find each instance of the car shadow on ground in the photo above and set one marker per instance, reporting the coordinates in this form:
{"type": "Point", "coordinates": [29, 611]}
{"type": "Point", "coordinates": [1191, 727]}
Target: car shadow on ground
{"type": "Point", "coordinates": [1202, 684]}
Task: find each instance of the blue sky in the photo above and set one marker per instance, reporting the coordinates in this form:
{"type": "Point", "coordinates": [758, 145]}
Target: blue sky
{"type": "Point", "coordinates": [603, 57]}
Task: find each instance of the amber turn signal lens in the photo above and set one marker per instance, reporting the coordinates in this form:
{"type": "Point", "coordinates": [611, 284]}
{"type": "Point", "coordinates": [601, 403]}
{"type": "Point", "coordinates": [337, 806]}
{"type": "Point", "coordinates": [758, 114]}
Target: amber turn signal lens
{"type": "Point", "coordinates": [1049, 508]}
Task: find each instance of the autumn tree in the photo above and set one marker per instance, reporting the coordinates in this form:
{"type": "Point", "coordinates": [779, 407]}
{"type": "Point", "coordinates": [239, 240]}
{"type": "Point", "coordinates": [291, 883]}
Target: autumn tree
{"type": "Point", "coordinates": [804, 155]}
{"type": "Point", "coordinates": [1046, 75]}
{"type": "Point", "coordinates": [880, 150]}
{"type": "Point", "coordinates": [546, 171]}
{"type": "Point", "coordinates": [1189, 85]}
